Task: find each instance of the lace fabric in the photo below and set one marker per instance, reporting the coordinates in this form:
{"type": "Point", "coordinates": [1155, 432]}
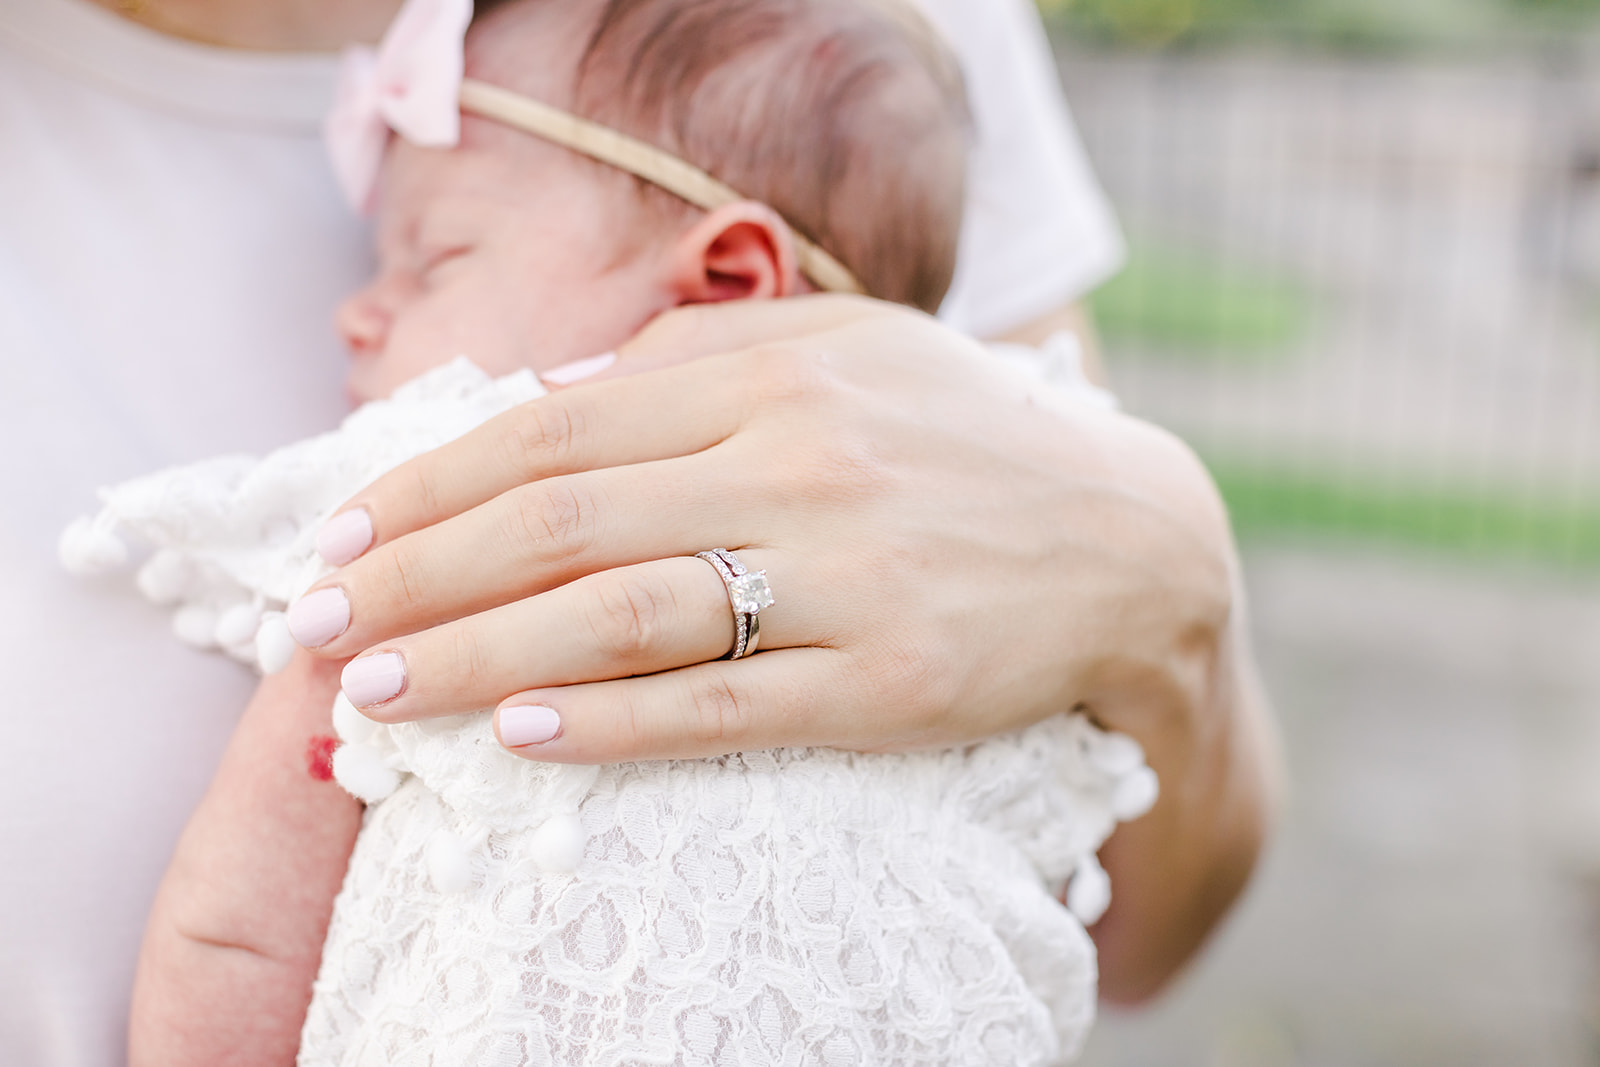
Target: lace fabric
{"type": "Point", "coordinates": [793, 907]}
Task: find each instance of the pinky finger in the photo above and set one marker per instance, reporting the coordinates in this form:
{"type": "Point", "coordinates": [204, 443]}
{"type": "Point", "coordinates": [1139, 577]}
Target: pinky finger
{"type": "Point", "coordinates": [782, 698]}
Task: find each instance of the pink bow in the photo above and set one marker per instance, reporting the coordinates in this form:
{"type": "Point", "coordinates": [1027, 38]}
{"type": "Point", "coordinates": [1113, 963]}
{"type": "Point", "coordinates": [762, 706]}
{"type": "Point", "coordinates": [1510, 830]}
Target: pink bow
{"type": "Point", "coordinates": [411, 84]}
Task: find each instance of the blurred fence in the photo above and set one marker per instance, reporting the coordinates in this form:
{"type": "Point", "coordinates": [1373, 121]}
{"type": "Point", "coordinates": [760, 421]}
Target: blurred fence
{"type": "Point", "coordinates": [1366, 289]}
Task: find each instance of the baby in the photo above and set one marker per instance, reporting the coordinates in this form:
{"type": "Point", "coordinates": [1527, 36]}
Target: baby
{"type": "Point", "coordinates": [800, 906]}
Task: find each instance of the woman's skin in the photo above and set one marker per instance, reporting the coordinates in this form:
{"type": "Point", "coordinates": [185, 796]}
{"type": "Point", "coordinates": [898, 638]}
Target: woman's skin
{"type": "Point", "coordinates": [957, 554]}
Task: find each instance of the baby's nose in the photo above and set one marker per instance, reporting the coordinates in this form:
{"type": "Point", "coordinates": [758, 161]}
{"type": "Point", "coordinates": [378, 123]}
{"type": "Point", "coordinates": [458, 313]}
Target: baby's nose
{"type": "Point", "coordinates": [363, 322]}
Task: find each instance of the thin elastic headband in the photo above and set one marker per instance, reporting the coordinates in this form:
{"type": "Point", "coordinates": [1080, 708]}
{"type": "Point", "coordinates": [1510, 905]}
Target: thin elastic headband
{"type": "Point", "coordinates": [641, 159]}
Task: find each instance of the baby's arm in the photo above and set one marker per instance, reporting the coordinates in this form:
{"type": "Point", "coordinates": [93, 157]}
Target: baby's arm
{"type": "Point", "coordinates": [235, 935]}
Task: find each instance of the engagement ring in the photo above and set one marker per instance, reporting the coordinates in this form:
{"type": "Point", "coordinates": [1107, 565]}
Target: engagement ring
{"type": "Point", "coordinates": [748, 593]}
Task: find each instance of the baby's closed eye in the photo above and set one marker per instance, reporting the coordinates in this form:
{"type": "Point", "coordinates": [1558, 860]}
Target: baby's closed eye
{"type": "Point", "coordinates": [436, 261]}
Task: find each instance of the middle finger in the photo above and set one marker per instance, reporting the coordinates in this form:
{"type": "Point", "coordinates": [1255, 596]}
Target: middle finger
{"type": "Point", "coordinates": [528, 540]}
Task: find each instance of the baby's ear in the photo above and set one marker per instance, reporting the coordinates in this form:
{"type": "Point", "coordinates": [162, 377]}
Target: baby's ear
{"type": "Point", "coordinates": [739, 251]}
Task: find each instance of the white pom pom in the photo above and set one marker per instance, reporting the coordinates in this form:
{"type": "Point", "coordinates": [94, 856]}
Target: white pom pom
{"type": "Point", "coordinates": [557, 845]}
{"type": "Point", "coordinates": [279, 532]}
{"type": "Point", "coordinates": [165, 577]}
{"type": "Point", "coordinates": [238, 624]}
{"type": "Point", "coordinates": [1117, 754]}
{"type": "Point", "coordinates": [449, 862]}
{"type": "Point", "coordinates": [1089, 892]}
{"type": "Point", "coordinates": [363, 774]}
{"type": "Point", "coordinates": [274, 645]}
{"type": "Point", "coordinates": [86, 549]}
{"type": "Point", "coordinates": [1134, 794]}
{"type": "Point", "coordinates": [195, 625]}
{"type": "Point", "coordinates": [352, 727]}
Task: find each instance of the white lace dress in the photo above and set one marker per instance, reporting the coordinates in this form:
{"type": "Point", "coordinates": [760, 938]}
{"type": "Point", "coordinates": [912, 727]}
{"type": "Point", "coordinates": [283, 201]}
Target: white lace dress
{"type": "Point", "coordinates": [793, 907]}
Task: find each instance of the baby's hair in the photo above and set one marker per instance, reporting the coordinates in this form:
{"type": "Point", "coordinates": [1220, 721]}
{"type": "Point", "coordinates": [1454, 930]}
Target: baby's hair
{"type": "Point", "coordinates": [848, 117]}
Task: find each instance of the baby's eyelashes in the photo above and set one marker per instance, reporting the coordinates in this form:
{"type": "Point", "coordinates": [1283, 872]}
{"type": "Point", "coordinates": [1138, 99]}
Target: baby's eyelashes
{"type": "Point", "coordinates": [434, 262]}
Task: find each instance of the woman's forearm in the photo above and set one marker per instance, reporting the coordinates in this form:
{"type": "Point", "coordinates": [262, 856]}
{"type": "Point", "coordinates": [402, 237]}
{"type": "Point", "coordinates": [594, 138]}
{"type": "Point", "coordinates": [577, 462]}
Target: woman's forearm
{"type": "Point", "coordinates": [235, 936]}
{"type": "Point", "coordinates": [1177, 870]}
{"type": "Point", "coordinates": [1174, 670]}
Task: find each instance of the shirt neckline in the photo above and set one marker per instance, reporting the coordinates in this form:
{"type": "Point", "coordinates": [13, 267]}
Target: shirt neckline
{"type": "Point", "coordinates": [84, 41]}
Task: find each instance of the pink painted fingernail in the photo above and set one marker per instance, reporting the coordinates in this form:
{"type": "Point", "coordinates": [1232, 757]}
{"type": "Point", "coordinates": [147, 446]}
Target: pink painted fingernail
{"type": "Point", "coordinates": [528, 724]}
{"type": "Point", "coordinates": [578, 369]}
{"type": "Point", "coordinates": [345, 536]}
{"type": "Point", "coordinates": [373, 679]}
{"type": "Point", "coordinates": [317, 618]}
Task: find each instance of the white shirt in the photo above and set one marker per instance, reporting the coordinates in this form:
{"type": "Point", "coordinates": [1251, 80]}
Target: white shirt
{"type": "Point", "coordinates": [1037, 230]}
{"type": "Point", "coordinates": [171, 250]}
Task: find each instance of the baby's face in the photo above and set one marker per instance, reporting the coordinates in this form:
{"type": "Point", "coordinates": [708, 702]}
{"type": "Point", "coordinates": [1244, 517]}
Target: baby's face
{"type": "Point", "coordinates": [511, 258]}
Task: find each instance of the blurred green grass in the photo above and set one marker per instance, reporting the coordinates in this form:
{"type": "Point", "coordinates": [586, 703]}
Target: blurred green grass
{"type": "Point", "coordinates": [1366, 26]}
{"type": "Point", "coordinates": [1178, 304]}
{"type": "Point", "coordinates": [1472, 521]}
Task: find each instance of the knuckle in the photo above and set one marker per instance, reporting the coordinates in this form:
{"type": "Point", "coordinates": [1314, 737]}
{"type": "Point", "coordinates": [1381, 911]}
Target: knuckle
{"type": "Point", "coordinates": [720, 714]}
{"type": "Point", "coordinates": [541, 438]}
{"type": "Point", "coordinates": [470, 659]}
{"type": "Point", "coordinates": [552, 518]}
{"type": "Point", "coordinates": [407, 573]}
{"type": "Point", "coordinates": [629, 615]}
{"type": "Point", "coordinates": [422, 491]}
{"type": "Point", "coordinates": [624, 733]}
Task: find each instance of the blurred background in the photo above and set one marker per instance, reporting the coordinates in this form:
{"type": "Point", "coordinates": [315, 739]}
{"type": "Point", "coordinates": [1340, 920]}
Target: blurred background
{"type": "Point", "coordinates": [1364, 283]}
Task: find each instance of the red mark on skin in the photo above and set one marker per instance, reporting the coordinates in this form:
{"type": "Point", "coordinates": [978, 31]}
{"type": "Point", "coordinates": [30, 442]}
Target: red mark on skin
{"type": "Point", "coordinates": [319, 756]}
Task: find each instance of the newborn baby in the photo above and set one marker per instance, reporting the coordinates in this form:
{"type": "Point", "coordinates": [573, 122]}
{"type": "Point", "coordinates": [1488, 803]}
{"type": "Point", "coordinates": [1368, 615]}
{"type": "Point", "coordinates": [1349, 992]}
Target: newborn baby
{"type": "Point", "coordinates": [799, 906]}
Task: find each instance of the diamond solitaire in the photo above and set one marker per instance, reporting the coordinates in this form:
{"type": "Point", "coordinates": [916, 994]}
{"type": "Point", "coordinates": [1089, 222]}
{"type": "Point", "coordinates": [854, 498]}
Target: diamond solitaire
{"type": "Point", "coordinates": [750, 593]}
{"type": "Point", "coordinates": [747, 593]}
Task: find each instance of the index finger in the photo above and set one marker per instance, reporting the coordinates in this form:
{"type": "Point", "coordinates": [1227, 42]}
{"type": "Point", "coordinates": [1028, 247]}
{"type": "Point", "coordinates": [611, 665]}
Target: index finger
{"type": "Point", "coordinates": [672, 413]}
{"type": "Point", "coordinates": [558, 434]}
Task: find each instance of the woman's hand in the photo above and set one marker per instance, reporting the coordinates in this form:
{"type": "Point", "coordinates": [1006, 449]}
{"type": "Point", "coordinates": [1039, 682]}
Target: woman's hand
{"type": "Point", "coordinates": [949, 557]}
{"type": "Point", "coordinates": [954, 552]}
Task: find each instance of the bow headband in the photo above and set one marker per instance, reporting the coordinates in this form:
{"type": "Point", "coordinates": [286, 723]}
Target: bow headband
{"type": "Point", "coordinates": [413, 83]}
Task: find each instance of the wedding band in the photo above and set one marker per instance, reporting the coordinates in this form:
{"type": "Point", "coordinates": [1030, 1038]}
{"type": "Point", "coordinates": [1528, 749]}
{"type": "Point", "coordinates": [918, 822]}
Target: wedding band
{"type": "Point", "coordinates": [747, 593]}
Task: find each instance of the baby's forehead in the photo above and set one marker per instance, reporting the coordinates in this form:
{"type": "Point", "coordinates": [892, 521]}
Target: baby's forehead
{"type": "Point", "coordinates": [425, 185]}
{"type": "Point", "coordinates": [468, 194]}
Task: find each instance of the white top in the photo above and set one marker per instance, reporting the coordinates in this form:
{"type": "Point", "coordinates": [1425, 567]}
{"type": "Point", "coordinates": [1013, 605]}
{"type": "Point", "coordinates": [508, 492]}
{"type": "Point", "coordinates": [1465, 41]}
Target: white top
{"type": "Point", "coordinates": [1038, 231]}
{"type": "Point", "coordinates": [171, 250]}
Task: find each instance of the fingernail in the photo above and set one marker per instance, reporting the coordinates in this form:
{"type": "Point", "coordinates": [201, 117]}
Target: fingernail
{"type": "Point", "coordinates": [345, 536]}
{"type": "Point", "coordinates": [578, 369]}
{"type": "Point", "coordinates": [373, 679]}
{"type": "Point", "coordinates": [317, 618]}
{"type": "Point", "coordinates": [528, 724]}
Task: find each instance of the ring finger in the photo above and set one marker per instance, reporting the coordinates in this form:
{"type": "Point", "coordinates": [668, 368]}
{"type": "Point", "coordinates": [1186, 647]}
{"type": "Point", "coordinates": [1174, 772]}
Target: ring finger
{"type": "Point", "coordinates": [632, 620]}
